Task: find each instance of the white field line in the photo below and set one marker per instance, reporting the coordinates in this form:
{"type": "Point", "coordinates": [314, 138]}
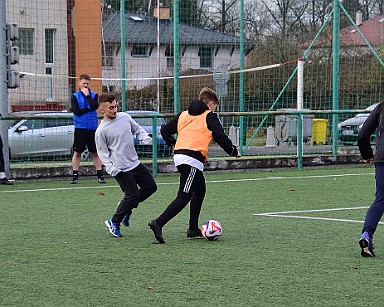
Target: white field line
{"type": "Point", "coordinates": [309, 211]}
{"type": "Point", "coordinates": [208, 181]}
{"type": "Point", "coordinates": [287, 214]}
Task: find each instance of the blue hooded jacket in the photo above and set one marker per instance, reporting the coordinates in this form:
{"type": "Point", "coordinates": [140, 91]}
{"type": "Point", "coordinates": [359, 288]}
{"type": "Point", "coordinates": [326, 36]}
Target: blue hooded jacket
{"type": "Point", "coordinates": [88, 120]}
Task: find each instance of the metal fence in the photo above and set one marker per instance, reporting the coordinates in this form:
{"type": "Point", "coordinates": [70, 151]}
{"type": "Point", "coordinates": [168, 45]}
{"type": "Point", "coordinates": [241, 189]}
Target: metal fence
{"type": "Point", "coordinates": [157, 56]}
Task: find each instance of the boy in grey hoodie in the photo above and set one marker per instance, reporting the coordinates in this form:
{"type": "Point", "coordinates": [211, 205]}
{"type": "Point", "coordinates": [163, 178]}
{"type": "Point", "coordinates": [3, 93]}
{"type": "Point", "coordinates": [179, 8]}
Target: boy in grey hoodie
{"type": "Point", "coordinates": [115, 147]}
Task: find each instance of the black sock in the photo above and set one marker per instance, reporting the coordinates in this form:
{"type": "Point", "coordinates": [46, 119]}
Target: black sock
{"type": "Point", "coordinates": [75, 174]}
{"type": "Point", "coordinates": [99, 173]}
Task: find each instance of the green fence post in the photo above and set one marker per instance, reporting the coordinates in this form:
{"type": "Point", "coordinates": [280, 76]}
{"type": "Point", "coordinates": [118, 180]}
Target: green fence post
{"type": "Point", "coordinates": [335, 71]}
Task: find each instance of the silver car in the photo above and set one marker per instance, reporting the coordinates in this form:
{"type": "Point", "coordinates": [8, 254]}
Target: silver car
{"type": "Point", "coordinates": [42, 137]}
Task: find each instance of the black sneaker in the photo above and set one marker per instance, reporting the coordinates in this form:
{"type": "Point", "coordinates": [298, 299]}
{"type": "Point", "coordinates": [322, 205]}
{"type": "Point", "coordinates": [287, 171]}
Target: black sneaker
{"type": "Point", "coordinates": [5, 181]}
{"type": "Point", "coordinates": [193, 233]}
{"type": "Point", "coordinates": [156, 231]}
{"type": "Point", "coordinates": [366, 245]}
{"type": "Point", "coordinates": [101, 180]}
{"type": "Point", "coordinates": [74, 181]}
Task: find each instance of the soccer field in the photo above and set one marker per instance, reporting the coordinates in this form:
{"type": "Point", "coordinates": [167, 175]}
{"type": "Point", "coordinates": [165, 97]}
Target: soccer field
{"type": "Point", "coordinates": [290, 238]}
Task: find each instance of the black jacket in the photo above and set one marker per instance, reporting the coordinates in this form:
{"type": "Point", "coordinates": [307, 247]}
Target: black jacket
{"type": "Point", "coordinates": [214, 124]}
{"type": "Point", "coordinates": [374, 122]}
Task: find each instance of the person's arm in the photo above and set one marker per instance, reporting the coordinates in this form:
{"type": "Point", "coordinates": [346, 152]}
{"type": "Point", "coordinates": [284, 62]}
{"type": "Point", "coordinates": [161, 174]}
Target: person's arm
{"type": "Point", "coordinates": [169, 129]}
{"type": "Point", "coordinates": [219, 135]}
{"type": "Point", "coordinates": [139, 132]}
{"type": "Point", "coordinates": [369, 127]}
{"type": "Point", "coordinates": [75, 107]}
{"type": "Point", "coordinates": [104, 155]}
{"type": "Point", "coordinates": [93, 103]}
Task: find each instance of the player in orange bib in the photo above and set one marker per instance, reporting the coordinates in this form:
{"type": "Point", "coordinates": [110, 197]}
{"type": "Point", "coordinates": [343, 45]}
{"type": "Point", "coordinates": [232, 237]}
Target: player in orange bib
{"type": "Point", "coordinates": [195, 129]}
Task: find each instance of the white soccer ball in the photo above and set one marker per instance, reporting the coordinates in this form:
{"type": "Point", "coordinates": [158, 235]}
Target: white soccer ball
{"type": "Point", "coordinates": [211, 230]}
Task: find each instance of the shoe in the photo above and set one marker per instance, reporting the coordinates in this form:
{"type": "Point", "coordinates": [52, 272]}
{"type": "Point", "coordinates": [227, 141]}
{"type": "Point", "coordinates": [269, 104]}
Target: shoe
{"type": "Point", "coordinates": [366, 245]}
{"type": "Point", "coordinates": [114, 228]}
{"type": "Point", "coordinates": [126, 219]}
{"type": "Point", "coordinates": [74, 181]}
{"type": "Point", "coordinates": [101, 180]}
{"type": "Point", "coordinates": [193, 233]}
{"type": "Point", "coordinates": [5, 181]}
{"type": "Point", "coordinates": [156, 231]}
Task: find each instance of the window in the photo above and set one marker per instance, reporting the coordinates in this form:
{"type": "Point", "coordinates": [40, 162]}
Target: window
{"type": "Point", "coordinates": [35, 123]}
{"type": "Point", "coordinates": [49, 41]}
{"type": "Point", "coordinates": [205, 54]}
{"type": "Point", "coordinates": [107, 55]}
{"type": "Point", "coordinates": [49, 83]}
{"type": "Point", "coordinates": [108, 88]}
{"type": "Point", "coordinates": [169, 55]}
{"type": "Point", "coordinates": [25, 41]}
{"type": "Point", "coordinates": [49, 61]}
{"type": "Point", "coordinates": [139, 51]}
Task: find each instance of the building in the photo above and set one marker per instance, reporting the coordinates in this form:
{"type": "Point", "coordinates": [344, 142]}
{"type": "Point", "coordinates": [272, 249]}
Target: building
{"type": "Point", "coordinates": [58, 41]}
{"type": "Point", "coordinates": [149, 50]}
{"type": "Point", "coordinates": [61, 39]}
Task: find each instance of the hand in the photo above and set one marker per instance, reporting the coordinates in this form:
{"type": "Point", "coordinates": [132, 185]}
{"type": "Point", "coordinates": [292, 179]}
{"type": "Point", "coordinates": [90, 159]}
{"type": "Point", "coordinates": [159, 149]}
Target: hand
{"type": "Point", "coordinates": [85, 91]}
{"type": "Point", "coordinates": [238, 155]}
{"type": "Point", "coordinates": [147, 141]}
{"type": "Point", "coordinates": [368, 160]}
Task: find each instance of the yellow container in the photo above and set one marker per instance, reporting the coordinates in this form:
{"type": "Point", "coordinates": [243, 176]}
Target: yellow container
{"type": "Point", "coordinates": [319, 131]}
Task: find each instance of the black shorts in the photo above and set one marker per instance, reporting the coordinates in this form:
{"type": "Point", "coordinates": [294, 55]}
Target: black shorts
{"type": "Point", "coordinates": [84, 138]}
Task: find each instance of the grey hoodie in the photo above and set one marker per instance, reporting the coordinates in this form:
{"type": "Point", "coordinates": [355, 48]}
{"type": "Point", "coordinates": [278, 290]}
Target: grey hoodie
{"type": "Point", "coordinates": [114, 143]}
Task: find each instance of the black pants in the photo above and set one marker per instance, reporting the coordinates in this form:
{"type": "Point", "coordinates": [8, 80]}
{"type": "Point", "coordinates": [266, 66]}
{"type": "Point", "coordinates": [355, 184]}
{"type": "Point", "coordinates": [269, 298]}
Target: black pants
{"type": "Point", "coordinates": [137, 185]}
{"type": "Point", "coordinates": [192, 189]}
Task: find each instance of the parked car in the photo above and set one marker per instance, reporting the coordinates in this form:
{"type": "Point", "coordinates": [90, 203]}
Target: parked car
{"type": "Point", "coordinates": [42, 137]}
{"type": "Point", "coordinates": [53, 137]}
{"type": "Point", "coordinates": [348, 130]}
{"type": "Point", "coordinates": [163, 150]}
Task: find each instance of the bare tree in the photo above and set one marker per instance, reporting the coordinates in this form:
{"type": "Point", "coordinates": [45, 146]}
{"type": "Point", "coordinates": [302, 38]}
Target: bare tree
{"type": "Point", "coordinates": [221, 15]}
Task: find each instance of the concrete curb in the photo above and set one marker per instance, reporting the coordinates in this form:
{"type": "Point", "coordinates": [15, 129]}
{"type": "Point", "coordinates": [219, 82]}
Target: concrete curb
{"type": "Point", "coordinates": [245, 163]}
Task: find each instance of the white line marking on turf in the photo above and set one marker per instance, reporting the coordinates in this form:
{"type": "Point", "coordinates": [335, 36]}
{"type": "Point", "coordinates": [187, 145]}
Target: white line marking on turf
{"type": "Point", "coordinates": [309, 211]}
{"type": "Point", "coordinates": [208, 181]}
{"type": "Point", "coordinates": [287, 214]}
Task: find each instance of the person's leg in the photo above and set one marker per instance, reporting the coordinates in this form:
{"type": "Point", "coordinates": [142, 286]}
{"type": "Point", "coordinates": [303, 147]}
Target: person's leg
{"type": "Point", "coordinates": [75, 166]}
{"type": "Point", "coordinates": [91, 145]}
{"type": "Point", "coordinates": [147, 186]}
{"type": "Point", "coordinates": [128, 185]}
{"type": "Point", "coordinates": [2, 163]}
{"type": "Point", "coordinates": [3, 177]}
{"type": "Point", "coordinates": [189, 177]}
{"type": "Point", "coordinates": [374, 214]}
{"type": "Point", "coordinates": [78, 148]}
{"type": "Point", "coordinates": [96, 161]}
{"type": "Point", "coordinates": [196, 203]}
{"type": "Point", "coordinates": [376, 210]}
{"type": "Point", "coordinates": [145, 181]}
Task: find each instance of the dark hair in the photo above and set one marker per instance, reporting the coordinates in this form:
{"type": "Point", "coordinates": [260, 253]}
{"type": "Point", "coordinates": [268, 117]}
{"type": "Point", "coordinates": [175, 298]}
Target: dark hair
{"type": "Point", "coordinates": [84, 77]}
{"type": "Point", "coordinates": [107, 97]}
{"type": "Point", "coordinates": [208, 94]}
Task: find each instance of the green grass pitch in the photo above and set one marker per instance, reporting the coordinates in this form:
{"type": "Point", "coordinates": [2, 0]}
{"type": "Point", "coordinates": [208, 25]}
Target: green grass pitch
{"type": "Point", "coordinates": [55, 250]}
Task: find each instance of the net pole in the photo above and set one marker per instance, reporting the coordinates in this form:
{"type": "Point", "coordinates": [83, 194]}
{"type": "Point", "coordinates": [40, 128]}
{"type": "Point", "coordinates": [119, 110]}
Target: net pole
{"type": "Point", "coordinates": [241, 89]}
{"type": "Point", "coordinates": [335, 71]}
{"type": "Point", "coordinates": [4, 87]}
{"type": "Point", "coordinates": [300, 95]}
{"type": "Point", "coordinates": [158, 57]}
{"type": "Point", "coordinates": [122, 42]}
{"type": "Point", "coordinates": [176, 104]}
